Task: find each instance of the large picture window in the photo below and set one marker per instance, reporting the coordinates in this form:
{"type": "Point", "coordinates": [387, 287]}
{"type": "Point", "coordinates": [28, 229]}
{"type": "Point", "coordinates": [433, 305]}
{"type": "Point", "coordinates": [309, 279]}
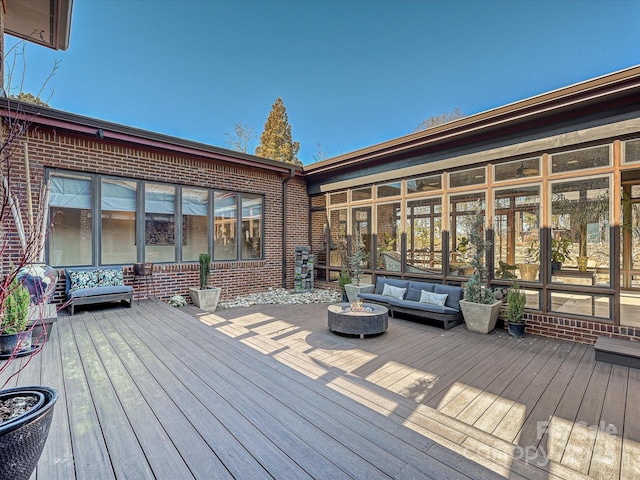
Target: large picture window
{"type": "Point", "coordinates": [118, 239]}
{"type": "Point", "coordinates": [424, 234]}
{"type": "Point", "coordinates": [70, 239]}
{"type": "Point", "coordinates": [103, 220]}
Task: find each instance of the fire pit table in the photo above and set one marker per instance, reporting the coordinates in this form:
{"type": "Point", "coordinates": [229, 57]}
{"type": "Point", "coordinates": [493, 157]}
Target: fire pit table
{"type": "Point", "coordinates": [357, 318]}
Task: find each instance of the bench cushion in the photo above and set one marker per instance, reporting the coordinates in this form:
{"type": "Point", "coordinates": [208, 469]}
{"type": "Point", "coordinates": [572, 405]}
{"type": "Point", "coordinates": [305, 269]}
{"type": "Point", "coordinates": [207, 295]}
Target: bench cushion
{"type": "Point", "coordinates": [394, 282]}
{"type": "Point", "coordinates": [97, 291]}
{"type": "Point", "coordinates": [423, 307]}
{"type": "Point", "coordinates": [454, 295]}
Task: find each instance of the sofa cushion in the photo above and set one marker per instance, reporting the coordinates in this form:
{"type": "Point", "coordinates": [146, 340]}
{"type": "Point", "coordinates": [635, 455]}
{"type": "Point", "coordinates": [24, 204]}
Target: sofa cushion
{"type": "Point", "coordinates": [424, 307]}
{"type": "Point", "coordinates": [454, 295]}
{"type": "Point", "coordinates": [426, 286]}
{"type": "Point", "coordinates": [81, 279]}
{"type": "Point", "coordinates": [97, 291]}
{"type": "Point", "coordinates": [394, 282]}
{"type": "Point", "coordinates": [374, 297]}
{"type": "Point", "coordinates": [110, 277]}
{"type": "Point", "coordinates": [433, 298]}
{"type": "Point", "coordinates": [395, 292]}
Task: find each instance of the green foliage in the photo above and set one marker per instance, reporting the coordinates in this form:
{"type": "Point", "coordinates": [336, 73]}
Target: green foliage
{"type": "Point", "coordinates": [560, 249]}
{"type": "Point", "coordinates": [276, 141]}
{"type": "Point", "coordinates": [476, 289]}
{"type": "Point", "coordinates": [357, 258]}
{"type": "Point", "coordinates": [344, 279]}
{"type": "Point", "coordinates": [505, 270]}
{"type": "Point", "coordinates": [30, 98]}
{"type": "Point", "coordinates": [516, 301]}
{"type": "Point", "coordinates": [15, 310]}
{"type": "Point", "coordinates": [532, 254]}
{"type": "Point", "coordinates": [205, 270]}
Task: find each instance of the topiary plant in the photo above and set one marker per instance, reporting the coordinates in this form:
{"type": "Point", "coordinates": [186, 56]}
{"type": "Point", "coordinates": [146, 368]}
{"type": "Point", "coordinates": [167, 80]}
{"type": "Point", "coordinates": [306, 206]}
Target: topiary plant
{"type": "Point", "coordinates": [15, 310]}
{"type": "Point", "coordinates": [205, 270]}
{"type": "Point", "coordinates": [476, 289]}
{"type": "Point", "coordinates": [516, 301]}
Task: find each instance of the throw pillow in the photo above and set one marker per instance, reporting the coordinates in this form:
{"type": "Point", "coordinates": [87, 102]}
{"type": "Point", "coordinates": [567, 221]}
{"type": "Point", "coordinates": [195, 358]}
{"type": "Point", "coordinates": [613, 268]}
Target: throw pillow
{"type": "Point", "coordinates": [433, 298]}
{"type": "Point", "coordinates": [395, 292]}
{"type": "Point", "coordinates": [80, 280]}
{"type": "Point", "coordinates": [110, 278]}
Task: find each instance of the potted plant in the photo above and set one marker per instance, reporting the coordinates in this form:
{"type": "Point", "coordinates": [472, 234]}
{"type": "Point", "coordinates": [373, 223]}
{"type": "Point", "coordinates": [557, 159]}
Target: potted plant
{"type": "Point", "coordinates": [529, 269]}
{"type": "Point", "coordinates": [480, 308]}
{"type": "Point", "coordinates": [505, 270]}
{"type": "Point", "coordinates": [205, 297]}
{"type": "Point", "coordinates": [516, 301]}
{"type": "Point", "coordinates": [343, 280]}
{"type": "Point", "coordinates": [356, 260]}
{"type": "Point", "coordinates": [560, 251]}
{"type": "Point", "coordinates": [14, 317]}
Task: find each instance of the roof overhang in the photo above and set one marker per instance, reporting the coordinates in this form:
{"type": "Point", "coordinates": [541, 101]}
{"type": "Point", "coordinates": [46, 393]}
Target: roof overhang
{"type": "Point", "coordinates": [617, 86]}
{"type": "Point", "coordinates": [45, 22]}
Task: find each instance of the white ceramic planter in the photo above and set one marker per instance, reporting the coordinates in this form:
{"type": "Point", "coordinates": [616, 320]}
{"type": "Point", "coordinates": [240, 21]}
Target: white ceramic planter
{"type": "Point", "coordinates": [207, 299]}
{"type": "Point", "coordinates": [480, 317]}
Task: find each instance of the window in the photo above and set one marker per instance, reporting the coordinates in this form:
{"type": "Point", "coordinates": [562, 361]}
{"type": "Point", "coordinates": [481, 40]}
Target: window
{"type": "Point", "coordinates": [388, 235]}
{"type": "Point", "coordinates": [476, 176]}
{"type": "Point", "coordinates": [462, 209]}
{"type": "Point", "coordinates": [424, 234]}
{"type": "Point", "coordinates": [632, 151]}
{"type": "Point", "coordinates": [580, 231]}
{"type": "Point", "coordinates": [225, 211]}
{"type": "Point", "coordinates": [70, 239]}
{"type": "Point", "coordinates": [195, 223]}
{"type": "Point", "coordinates": [580, 159]}
{"type": "Point", "coordinates": [251, 226]}
{"type": "Point", "coordinates": [118, 239]}
{"type": "Point", "coordinates": [519, 169]}
{"type": "Point", "coordinates": [389, 190]}
{"type": "Point", "coordinates": [517, 232]}
{"type": "Point", "coordinates": [361, 194]}
{"type": "Point", "coordinates": [159, 227]}
{"type": "Point", "coordinates": [337, 198]}
{"type": "Point", "coordinates": [424, 184]}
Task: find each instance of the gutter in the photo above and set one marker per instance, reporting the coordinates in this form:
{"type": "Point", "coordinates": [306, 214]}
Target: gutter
{"type": "Point", "coordinates": [292, 172]}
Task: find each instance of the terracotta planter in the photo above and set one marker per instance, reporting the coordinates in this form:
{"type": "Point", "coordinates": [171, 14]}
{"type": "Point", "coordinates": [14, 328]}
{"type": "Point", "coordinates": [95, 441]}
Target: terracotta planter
{"type": "Point", "coordinates": [480, 317]}
{"type": "Point", "coordinates": [528, 271]}
{"type": "Point", "coordinates": [206, 299]}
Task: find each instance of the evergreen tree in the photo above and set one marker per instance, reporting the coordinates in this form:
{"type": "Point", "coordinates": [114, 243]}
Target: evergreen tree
{"type": "Point", "coordinates": [276, 142]}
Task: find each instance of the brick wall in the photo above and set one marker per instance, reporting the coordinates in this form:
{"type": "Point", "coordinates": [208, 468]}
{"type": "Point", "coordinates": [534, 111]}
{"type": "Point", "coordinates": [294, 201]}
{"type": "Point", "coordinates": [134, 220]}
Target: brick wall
{"type": "Point", "coordinates": [55, 149]}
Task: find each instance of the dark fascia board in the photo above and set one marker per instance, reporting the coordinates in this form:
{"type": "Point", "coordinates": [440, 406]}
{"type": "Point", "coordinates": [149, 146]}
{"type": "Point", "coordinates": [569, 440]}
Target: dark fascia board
{"type": "Point", "coordinates": [45, 22]}
{"type": "Point", "coordinates": [574, 96]}
{"type": "Point", "coordinates": [78, 124]}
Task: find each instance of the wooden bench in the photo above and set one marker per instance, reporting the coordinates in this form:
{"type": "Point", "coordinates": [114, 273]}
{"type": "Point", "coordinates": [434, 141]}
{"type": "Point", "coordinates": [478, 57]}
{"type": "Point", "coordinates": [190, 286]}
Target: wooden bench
{"type": "Point", "coordinates": [618, 351]}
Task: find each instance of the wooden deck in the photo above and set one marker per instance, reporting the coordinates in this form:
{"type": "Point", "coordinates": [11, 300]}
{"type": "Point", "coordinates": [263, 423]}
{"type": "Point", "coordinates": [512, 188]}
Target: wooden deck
{"type": "Point", "coordinates": [268, 392]}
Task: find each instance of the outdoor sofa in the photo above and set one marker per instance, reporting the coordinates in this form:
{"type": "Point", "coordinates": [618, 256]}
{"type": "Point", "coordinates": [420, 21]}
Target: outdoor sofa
{"type": "Point", "coordinates": [90, 285]}
{"type": "Point", "coordinates": [432, 301]}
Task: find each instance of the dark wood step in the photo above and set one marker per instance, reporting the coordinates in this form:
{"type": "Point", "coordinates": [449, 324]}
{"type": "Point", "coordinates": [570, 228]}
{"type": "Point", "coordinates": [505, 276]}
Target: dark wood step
{"type": "Point", "coordinates": [618, 351]}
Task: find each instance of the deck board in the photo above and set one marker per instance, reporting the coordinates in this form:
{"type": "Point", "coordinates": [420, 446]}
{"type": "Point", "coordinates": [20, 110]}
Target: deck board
{"type": "Point", "coordinates": [270, 392]}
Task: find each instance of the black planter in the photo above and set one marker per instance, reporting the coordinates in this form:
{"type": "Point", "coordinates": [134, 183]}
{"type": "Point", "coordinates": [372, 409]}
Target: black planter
{"type": "Point", "coordinates": [345, 298]}
{"type": "Point", "coordinates": [556, 265]}
{"type": "Point", "coordinates": [22, 438]}
{"type": "Point", "coordinates": [517, 329]}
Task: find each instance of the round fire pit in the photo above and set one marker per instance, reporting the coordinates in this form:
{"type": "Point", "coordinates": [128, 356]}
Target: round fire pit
{"type": "Point", "coordinates": [357, 319]}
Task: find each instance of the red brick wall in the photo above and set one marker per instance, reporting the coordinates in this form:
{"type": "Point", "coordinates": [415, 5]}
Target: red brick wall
{"type": "Point", "coordinates": [51, 149]}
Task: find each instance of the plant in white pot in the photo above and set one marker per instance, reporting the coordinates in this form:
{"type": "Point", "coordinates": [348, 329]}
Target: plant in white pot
{"type": "Point", "coordinates": [205, 297]}
{"type": "Point", "coordinates": [356, 260]}
{"type": "Point", "coordinates": [480, 308]}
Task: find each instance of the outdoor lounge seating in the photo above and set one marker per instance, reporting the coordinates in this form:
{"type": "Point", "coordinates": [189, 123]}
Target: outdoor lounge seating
{"type": "Point", "coordinates": [90, 285]}
{"type": "Point", "coordinates": [404, 296]}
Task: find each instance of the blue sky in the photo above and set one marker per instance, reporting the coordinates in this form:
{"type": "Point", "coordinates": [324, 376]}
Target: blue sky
{"type": "Point", "coordinates": [351, 73]}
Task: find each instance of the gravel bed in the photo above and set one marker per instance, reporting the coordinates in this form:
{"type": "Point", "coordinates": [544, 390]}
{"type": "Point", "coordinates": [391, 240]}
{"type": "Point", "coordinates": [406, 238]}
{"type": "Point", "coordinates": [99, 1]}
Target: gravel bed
{"type": "Point", "coordinates": [282, 296]}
